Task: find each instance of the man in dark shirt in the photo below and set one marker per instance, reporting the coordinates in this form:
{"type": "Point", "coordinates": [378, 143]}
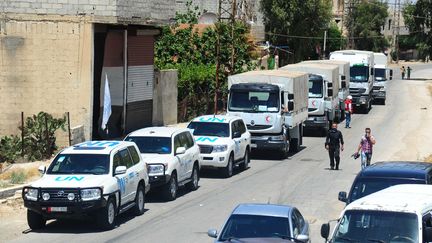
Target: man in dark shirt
{"type": "Point", "coordinates": [334, 143]}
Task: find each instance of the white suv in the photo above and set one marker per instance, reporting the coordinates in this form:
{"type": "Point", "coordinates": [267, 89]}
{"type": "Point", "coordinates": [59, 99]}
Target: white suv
{"type": "Point", "coordinates": [224, 142]}
{"type": "Point", "coordinates": [172, 158]}
{"type": "Point", "coordinates": [100, 179]}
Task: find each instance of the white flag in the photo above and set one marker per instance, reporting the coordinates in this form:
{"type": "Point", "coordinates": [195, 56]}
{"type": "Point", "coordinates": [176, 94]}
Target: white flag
{"type": "Point", "coordinates": [107, 104]}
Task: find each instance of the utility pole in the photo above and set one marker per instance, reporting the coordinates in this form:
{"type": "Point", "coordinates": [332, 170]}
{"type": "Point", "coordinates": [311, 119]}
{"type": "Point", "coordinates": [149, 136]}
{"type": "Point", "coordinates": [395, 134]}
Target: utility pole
{"type": "Point", "coordinates": [398, 30]}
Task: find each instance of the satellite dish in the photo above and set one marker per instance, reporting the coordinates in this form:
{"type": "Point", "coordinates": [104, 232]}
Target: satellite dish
{"type": "Point", "coordinates": [208, 18]}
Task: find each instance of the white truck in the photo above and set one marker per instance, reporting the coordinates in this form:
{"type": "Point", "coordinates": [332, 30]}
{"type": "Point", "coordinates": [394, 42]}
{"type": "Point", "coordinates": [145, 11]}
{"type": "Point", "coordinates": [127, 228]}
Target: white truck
{"type": "Point", "coordinates": [401, 213]}
{"type": "Point", "coordinates": [382, 74]}
{"type": "Point", "coordinates": [100, 179]}
{"type": "Point", "coordinates": [344, 78]}
{"type": "Point", "coordinates": [224, 142]}
{"type": "Point", "coordinates": [361, 76]}
{"type": "Point", "coordinates": [274, 104]}
{"type": "Point", "coordinates": [323, 107]}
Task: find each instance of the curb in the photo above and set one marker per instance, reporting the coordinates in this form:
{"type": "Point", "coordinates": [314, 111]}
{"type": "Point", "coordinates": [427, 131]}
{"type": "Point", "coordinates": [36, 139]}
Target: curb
{"type": "Point", "coordinates": [9, 192]}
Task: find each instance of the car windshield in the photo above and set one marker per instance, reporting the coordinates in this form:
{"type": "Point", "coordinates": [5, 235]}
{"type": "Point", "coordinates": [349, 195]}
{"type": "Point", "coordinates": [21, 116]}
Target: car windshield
{"type": "Point", "coordinates": [253, 226]}
{"type": "Point", "coordinates": [380, 74]}
{"type": "Point", "coordinates": [209, 129]}
{"type": "Point", "coordinates": [368, 186]}
{"type": "Point", "coordinates": [248, 101]}
{"type": "Point", "coordinates": [376, 226]}
{"type": "Point", "coordinates": [315, 88]}
{"type": "Point", "coordinates": [96, 164]}
{"type": "Point", "coordinates": [152, 145]}
{"type": "Point", "coordinates": [359, 74]}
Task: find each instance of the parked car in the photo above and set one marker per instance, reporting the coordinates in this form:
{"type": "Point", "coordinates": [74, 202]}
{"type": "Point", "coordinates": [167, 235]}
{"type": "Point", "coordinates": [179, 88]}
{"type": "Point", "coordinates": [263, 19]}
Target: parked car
{"type": "Point", "coordinates": [385, 174]}
{"type": "Point", "coordinates": [172, 158]}
{"type": "Point", "coordinates": [224, 142]}
{"type": "Point", "coordinates": [100, 179]}
{"type": "Point", "coordinates": [261, 223]}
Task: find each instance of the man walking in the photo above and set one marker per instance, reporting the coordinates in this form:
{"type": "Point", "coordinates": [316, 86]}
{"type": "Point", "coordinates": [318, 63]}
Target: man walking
{"type": "Point", "coordinates": [409, 69]}
{"type": "Point", "coordinates": [334, 144]}
{"type": "Point", "coordinates": [403, 72]}
{"type": "Point", "coordinates": [365, 147]}
{"type": "Point", "coordinates": [348, 111]}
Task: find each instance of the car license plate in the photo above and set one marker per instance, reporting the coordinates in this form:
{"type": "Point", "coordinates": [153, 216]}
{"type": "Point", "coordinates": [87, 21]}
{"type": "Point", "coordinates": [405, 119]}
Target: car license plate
{"type": "Point", "coordinates": [253, 145]}
{"type": "Point", "coordinates": [57, 209]}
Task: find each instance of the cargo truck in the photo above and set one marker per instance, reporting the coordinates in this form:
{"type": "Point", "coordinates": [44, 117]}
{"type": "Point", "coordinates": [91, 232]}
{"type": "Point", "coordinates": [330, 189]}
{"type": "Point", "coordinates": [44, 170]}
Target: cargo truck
{"type": "Point", "coordinates": [273, 104]}
{"type": "Point", "coordinates": [361, 76]}
{"type": "Point", "coordinates": [323, 85]}
{"type": "Point", "coordinates": [382, 75]}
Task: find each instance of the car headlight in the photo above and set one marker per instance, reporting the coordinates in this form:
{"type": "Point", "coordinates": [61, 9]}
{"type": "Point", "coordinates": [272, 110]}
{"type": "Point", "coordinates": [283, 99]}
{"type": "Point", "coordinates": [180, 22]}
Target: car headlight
{"type": "Point", "coordinates": [31, 194]}
{"type": "Point", "coordinates": [91, 194]}
{"type": "Point", "coordinates": [362, 99]}
{"type": "Point", "coordinates": [280, 137]}
{"type": "Point", "coordinates": [156, 169]}
{"type": "Point", "coordinates": [220, 148]}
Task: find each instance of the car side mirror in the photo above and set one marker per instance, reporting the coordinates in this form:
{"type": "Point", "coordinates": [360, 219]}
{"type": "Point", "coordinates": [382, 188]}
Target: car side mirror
{"type": "Point", "coordinates": [329, 92]}
{"type": "Point", "coordinates": [236, 134]}
{"type": "Point", "coordinates": [119, 170]}
{"type": "Point", "coordinates": [372, 71]}
{"type": "Point", "coordinates": [290, 96]}
{"type": "Point", "coordinates": [212, 233]}
{"type": "Point", "coordinates": [427, 234]}
{"type": "Point", "coordinates": [325, 231]}
{"type": "Point", "coordinates": [42, 169]}
{"type": "Point", "coordinates": [303, 238]}
{"type": "Point", "coordinates": [180, 150]}
{"type": "Point", "coordinates": [290, 105]}
{"type": "Point", "coordinates": [342, 197]}
{"type": "Point", "coordinates": [343, 84]}
{"type": "Point", "coordinates": [391, 74]}
{"type": "Point", "coordinates": [343, 77]}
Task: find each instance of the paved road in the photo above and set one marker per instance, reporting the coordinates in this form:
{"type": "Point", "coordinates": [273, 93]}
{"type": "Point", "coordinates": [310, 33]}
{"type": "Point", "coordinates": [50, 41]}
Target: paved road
{"type": "Point", "coordinates": [302, 180]}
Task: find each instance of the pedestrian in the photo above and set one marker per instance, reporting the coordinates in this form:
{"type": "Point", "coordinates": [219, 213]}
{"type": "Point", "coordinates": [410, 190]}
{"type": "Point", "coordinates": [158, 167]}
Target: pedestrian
{"type": "Point", "coordinates": [409, 72]}
{"type": "Point", "coordinates": [334, 144]}
{"type": "Point", "coordinates": [403, 72]}
{"type": "Point", "coordinates": [348, 111]}
{"type": "Point", "coordinates": [365, 148]}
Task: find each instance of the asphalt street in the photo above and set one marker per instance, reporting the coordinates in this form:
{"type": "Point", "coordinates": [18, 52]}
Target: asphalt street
{"type": "Point", "coordinates": [402, 129]}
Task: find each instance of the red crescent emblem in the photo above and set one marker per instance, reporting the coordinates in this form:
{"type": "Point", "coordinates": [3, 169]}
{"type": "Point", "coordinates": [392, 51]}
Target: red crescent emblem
{"type": "Point", "coordinates": [314, 103]}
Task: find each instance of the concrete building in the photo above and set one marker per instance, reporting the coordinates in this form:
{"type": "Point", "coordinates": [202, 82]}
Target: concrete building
{"type": "Point", "coordinates": [56, 54]}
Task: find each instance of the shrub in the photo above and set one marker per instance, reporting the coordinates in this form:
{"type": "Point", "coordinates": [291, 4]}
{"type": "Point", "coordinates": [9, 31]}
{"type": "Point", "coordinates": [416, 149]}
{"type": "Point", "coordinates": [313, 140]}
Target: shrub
{"type": "Point", "coordinates": [18, 177]}
{"type": "Point", "coordinates": [10, 148]}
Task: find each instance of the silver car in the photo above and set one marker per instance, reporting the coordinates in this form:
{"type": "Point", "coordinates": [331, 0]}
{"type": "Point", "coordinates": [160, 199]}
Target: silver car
{"type": "Point", "coordinates": [263, 223]}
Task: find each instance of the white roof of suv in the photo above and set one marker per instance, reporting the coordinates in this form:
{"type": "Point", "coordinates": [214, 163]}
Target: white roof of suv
{"type": "Point", "coordinates": [215, 118]}
{"type": "Point", "coordinates": [95, 147]}
{"type": "Point", "coordinates": [413, 198]}
{"type": "Point", "coordinates": [156, 132]}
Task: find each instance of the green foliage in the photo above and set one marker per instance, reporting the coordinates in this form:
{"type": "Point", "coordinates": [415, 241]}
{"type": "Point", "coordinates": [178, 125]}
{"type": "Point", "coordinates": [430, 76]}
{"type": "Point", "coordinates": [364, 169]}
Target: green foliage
{"type": "Point", "coordinates": [10, 148]}
{"type": "Point", "coordinates": [418, 19]}
{"type": "Point", "coordinates": [335, 39]}
{"type": "Point", "coordinates": [308, 18]}
{"type": "Point", "coordinates": [191, 15]}
{"type": "Point", "coordinates": [18, 177]}
{"type": "Point", "coordinates": [365, 22]}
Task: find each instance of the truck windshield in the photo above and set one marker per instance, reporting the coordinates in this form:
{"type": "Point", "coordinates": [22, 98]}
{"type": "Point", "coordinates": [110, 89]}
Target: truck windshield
{"type": "Point", "coordinates": [152, 145]}
{"type": "Point", "coordinates": [376, 226]}
{"type": "Point", "coordinates": [359, 74]}
{"type": "Point", "coordinates": [253, 101]}
{"type": "Point", "coordinates": [380, 74]}
{"type": "Point", "coordinates": [364, 187]}
{"type": "Point", "coordinates": [254, 226]}
{"type": "Point", "coordinates": [209, 129]}
{"type": "Point", "coordinates": [96, 164]}
{"type": "Point", "coordinates": [315, 88]}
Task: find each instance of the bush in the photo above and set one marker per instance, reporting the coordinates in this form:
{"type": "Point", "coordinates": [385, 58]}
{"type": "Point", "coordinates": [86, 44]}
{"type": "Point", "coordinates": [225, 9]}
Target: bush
{"type": "Point", "coordinates": [18, 177]}
{"type": "Point", "coordinates": [10, 148]}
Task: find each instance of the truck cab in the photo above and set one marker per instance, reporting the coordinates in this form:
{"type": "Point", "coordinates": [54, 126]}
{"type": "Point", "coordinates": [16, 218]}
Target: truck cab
{"type": "Point", "coordinates": [361, 76]}
{"type": "Point", "coordinates": [273, 104]}
{"type": "Point", "coordinates": [382, 75]}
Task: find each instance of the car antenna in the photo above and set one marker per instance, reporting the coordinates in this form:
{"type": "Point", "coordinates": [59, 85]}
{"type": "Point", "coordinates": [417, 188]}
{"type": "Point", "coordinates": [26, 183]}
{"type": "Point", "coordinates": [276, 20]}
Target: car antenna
{"type": "Point", "coordinates": [268, 201]}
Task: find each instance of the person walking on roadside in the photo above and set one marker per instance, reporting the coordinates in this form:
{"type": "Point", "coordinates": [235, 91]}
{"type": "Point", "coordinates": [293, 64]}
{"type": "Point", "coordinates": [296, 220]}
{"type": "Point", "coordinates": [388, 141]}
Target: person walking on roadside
{"type": "Point", "coordinates": [348, 111]}
{"type": "Point", "coordinates": [409, 69]}
{"type": "Point", "coordinates": [365, 148]}
{"type": "Point", "coordinates": [403, 72]}
{"type": "Point", "coordinates": [334, 144]}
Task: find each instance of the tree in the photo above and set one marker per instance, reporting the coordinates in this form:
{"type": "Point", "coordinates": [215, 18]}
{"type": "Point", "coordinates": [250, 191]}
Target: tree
{"type": "Point", "coordinates": [335, 39]}
{"type": "Point", "coordinates": [418, 19]}
{"type": "Point", "coordinates": [364, 23]}
{"type": "Point", "coordinates": [284, 19]}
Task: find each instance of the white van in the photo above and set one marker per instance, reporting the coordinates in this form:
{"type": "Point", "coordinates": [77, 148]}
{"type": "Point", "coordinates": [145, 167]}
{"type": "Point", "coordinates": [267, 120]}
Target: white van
{"type": "Point", "coordinates": [401, 213]}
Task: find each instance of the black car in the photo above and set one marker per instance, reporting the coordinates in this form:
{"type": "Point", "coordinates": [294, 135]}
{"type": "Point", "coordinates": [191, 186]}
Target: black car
{"type": "Point", "coordinates": [385, 174]}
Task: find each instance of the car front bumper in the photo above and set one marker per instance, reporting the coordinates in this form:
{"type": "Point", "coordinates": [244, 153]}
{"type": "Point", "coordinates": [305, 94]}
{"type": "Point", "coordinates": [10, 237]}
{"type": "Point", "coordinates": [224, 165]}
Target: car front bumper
{"type": "Point", "coordinates": [214, 160]}
{"type": "Point", "coordinates": [158, 180]}
{"type": "Point", "coordinates": [266, 143]}
{"type": "Point", "coordinates": [316, 122]}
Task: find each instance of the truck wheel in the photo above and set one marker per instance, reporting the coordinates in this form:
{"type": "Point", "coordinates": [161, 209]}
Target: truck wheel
{"type": "Point", "coordinates": [228, 170]}
{"type": "Point", "coordinates": [107, 215]}
{"type": "Point", "coordinates": [139, 201]}
{"type": "Point", "coordinates": [170, 189]}
{"type": "Point", "coordinates": [34, 220]}
{"type": "Point", "coordinates": [246, 160]}
{"type": "Point", "coordinates": [295, 145]}
{"type": "Point", "coordinates": [193, 184]}
{"type": "Point", "coordinates": [383, 102]}
{"type": "Point", "coordinates": [284, 152]}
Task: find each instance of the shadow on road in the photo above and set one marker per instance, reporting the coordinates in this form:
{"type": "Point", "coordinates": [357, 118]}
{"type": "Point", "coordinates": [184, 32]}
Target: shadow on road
{"type": "Point", "coordinates": [272, 155]}
{"type": "Point", "coordinates": [154, 196]}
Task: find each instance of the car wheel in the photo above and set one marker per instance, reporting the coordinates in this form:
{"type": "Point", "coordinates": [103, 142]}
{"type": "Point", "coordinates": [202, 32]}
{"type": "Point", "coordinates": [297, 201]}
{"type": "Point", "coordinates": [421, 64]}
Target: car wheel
{"type": "Point", "coordinates": [139, 200]}
{"type": "Point", "coordinates": [284, 152]}
{"type": "Point", "coordinates": [170, 192]}
{"type": "Point", "coordinates": [228, 170]}
{"type": "Point", "coordinates": [295, 145]}
{"type": "Point", "coordinates": [246, 160]}
{"type": "Point", "coordinates": [193, 184]}
{"type": "Point", "coordinates": [107, 215]}
{"type": "Point", "coordinates": [34, 220]}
